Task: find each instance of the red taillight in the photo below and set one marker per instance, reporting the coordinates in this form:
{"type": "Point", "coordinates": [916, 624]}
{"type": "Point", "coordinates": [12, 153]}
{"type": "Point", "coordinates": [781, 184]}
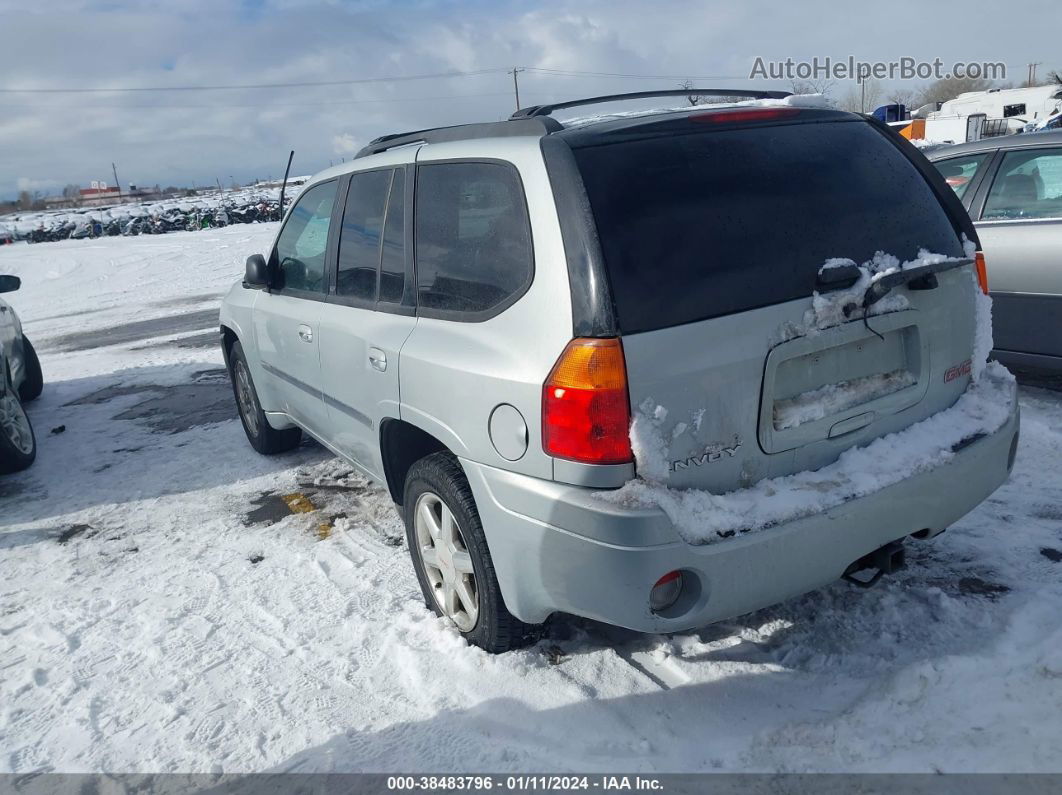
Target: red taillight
{"type": "Point", "coordinates": [982, 271]}
{"type": "Point", "coordinates": [746, 114]}
{"type": "Point", "coordinates": [585, 409]}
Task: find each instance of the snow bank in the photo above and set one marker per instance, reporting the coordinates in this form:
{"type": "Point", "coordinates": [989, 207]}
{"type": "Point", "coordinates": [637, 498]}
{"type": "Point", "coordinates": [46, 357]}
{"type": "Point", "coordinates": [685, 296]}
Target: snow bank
{"type": "Point", "coordinates": [702, 518]}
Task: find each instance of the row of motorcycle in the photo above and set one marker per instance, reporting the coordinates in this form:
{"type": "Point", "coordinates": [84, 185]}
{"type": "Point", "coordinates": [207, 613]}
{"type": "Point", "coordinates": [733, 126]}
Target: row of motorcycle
{"type": "Point", "coordinates": [158, 223]}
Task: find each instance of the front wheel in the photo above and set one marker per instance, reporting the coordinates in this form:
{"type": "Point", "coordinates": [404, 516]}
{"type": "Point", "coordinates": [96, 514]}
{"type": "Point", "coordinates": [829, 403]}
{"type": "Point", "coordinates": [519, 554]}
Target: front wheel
{"type": "Point", "coordinates": [450, 556]}
{"type": "Point", "coordinates": [263, 437]}
{"type": "Point", "coordinates": [18, 445]}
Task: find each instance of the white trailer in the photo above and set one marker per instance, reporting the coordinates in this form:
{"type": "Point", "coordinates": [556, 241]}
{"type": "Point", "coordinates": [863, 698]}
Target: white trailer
{"type": "Point", "coordinates": [999, 111]}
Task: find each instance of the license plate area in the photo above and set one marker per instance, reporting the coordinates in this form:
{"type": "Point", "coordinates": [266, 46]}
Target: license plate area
{"type": "Point", "coordinates": [842, 380]}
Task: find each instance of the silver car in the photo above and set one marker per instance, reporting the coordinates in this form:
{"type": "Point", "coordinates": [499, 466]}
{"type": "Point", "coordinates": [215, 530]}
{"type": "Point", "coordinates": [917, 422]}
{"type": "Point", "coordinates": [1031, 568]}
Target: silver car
{"type": "Point", "coordinates": [1012, 188]}
{"type": "Point", "coordinates": [475, 315]}
{"type": "Point", "coordinates": [20, 382]}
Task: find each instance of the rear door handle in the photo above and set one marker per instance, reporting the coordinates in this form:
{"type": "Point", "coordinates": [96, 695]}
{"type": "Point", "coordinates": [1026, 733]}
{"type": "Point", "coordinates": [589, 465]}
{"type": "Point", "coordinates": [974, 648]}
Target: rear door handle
{"type": "Point", "coordinates": [378, 359]}
{"type": "Point", "coordinates": [305, 333]}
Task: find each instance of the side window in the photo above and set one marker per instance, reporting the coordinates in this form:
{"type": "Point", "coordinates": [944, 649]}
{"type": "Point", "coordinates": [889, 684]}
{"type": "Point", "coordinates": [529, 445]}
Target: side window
{"type": "Point", "coordinates": [302, 244]}
{"type": "Point", "coordinates": [359, 239]}
{"type": "Point", "coordinates": [1027, 185]}
{"type": "Point", "coordinates": [473, 238]}
{"type": "Point", "coordinates": [393, 266]}
{"type": "Point", "coordinates": [959, 172]}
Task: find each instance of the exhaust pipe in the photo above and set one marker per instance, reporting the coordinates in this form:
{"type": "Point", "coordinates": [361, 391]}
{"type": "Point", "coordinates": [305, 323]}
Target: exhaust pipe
{"type": "Point", "coordinates": [884, 560]}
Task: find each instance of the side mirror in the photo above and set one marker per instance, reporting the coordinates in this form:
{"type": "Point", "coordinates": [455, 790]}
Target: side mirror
{"type": "Point", "coordinates": [8, 284]}
{"type": "Point", "coordinates": [256, 274]}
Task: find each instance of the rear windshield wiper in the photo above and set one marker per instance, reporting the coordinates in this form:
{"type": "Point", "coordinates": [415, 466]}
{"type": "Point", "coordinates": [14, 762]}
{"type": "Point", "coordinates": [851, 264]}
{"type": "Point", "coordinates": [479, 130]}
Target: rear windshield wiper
{"type": "Point", "coordinates": [920, 278]}
{"type": "Point", "coordinates": [923, 277]}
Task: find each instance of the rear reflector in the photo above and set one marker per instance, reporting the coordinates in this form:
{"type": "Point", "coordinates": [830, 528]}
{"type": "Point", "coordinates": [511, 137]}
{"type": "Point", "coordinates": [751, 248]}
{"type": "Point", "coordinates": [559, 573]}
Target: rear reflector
{"type": "Point", "coordinates": [585, 409]}
{"type": "Point", "coordinates": [666, 591]}
{"type": "Point", "coordinates": [745, 114]}
{"type": "Point", "coordinates": [982, 271]}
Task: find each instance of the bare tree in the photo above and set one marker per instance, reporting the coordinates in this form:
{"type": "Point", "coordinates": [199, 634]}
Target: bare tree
{"type": "Point", "coordinates": [823, 87]}
{"type": "Point", "coordinates": [901, 96]}
{"type": "Point", "coordinates": [861, 97]}
{"type": "Point", "coordinates": [1055, 76]}
{"type": "Point", "coordinates": [945, 89]}
{"type": "Point", "coordinates": [71, 191]}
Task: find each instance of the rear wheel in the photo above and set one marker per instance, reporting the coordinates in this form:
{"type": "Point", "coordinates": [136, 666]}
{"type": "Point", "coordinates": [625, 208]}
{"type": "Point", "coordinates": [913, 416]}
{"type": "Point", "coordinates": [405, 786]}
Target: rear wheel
{"type": "Point", "coordinates": [263, 437]}
{"type": "Point", "coordinates": [18, 445]}
{"type": "Point", "coordinates": [33, 383]}
{"type": "Point", "coordinates": [451, 558]}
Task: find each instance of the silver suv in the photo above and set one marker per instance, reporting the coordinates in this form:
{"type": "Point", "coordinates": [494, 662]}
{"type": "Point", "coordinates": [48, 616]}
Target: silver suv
{"type": "Point", "coordinates": [475, 316]}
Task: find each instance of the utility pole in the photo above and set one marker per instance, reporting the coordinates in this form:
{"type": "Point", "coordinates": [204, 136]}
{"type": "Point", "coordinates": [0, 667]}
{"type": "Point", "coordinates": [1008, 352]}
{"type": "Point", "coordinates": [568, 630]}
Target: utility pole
{"type": "Point", "coordinates": [863, 96]}
{"type": "Point", "coordinates": [1031, 78]}
{"type": "Point", "coordinates": [114, 171]}
{"type": "Point", "coordinates": [221, 190]}
{"type": "Point", "coordinates": [516, 84]}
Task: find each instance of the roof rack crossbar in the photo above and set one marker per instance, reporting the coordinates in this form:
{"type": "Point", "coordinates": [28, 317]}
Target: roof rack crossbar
{"type": "Point", "coordinates": [497, 129]}
{"type": "Point", "coordinates": [538, 111]}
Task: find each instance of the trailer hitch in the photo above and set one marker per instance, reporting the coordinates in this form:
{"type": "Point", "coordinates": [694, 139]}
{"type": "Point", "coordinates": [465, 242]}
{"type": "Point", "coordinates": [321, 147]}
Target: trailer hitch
{"type": "Point", "coordinates": [884, 560]}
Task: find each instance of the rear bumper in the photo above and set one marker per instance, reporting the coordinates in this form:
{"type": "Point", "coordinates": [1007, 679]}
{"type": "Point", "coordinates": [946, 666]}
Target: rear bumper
{"type": "Point", "coordinates": [557, 548]}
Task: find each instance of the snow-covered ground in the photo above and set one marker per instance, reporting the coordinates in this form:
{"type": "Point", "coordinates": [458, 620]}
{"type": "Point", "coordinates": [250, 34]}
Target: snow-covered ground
{"type": "Point", "coordinates": [162, 608]}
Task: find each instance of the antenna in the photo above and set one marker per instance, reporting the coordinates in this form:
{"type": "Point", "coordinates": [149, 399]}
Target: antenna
{"type": "Point", "coordinates": [284, 184]}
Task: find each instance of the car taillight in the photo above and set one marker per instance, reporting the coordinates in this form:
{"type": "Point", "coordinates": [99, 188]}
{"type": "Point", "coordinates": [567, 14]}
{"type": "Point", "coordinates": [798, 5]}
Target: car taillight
{"type": "Point", "coordinates": [586, 413]}
{"type": "Point", "coordinates": [982, 272]}
{"type": "Point", "coordinates": [750, 114]}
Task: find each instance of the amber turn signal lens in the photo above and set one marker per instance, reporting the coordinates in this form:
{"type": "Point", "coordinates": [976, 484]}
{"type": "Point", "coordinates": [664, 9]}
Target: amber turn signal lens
{"type": "Point", "coordinates": [982, 271]}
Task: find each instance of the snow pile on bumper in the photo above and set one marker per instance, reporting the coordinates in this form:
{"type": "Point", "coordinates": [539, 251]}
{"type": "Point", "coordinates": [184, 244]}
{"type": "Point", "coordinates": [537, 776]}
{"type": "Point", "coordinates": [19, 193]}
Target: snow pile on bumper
{"type": "Point", "coordinates": [701, 517]}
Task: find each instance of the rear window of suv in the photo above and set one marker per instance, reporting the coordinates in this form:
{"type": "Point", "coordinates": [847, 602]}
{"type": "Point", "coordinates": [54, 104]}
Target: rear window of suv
{"type": "Point", "coordinates": [706, 224]}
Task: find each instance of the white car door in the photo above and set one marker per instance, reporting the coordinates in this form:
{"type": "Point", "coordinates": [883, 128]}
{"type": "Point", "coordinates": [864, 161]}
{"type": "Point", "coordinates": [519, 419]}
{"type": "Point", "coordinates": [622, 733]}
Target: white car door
{"type": "Point", "coordinates": [286, 318]}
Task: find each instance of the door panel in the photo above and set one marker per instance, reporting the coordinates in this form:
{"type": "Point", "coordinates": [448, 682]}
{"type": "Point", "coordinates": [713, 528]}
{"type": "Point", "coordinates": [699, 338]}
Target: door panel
{"type": "Point", "coordinates": [359, 367]}
{"type": "Point", "coordinates": [287, 332]}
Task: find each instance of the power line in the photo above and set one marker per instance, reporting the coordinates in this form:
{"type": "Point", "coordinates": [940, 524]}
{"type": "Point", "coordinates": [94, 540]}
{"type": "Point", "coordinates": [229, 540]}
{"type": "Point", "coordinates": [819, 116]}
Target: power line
{"type": "Point", "coordinates": [245, 86]}
{"type": "Point", "coordinates": [539, 70]}
{"type": "Point", "coordinates": [579, 73]}
{"type": "Point", "coordinates": [270, 104]}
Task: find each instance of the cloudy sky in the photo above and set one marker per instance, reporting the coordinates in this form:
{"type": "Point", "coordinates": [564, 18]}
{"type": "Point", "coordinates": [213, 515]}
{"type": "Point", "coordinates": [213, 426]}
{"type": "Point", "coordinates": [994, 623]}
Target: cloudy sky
{"type": "Point", "coordinates": [50, 138]}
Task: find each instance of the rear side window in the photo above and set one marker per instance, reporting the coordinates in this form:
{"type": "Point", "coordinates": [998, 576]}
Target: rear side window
{"type": "Point", "coordinates": [473, 238]}
{"type": "Point", "coordinates": [359, 242]}
{"type": "Point", "coordinates": [959, 172]}
{"type": "Point", "coordinates": [1028, 185]}
{"type": "Point", "coordinates": [707, 224]}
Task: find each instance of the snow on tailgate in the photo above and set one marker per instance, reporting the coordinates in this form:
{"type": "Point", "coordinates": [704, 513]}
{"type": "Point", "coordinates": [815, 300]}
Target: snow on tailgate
{"type": "Point", "coordinates": [702, 517]}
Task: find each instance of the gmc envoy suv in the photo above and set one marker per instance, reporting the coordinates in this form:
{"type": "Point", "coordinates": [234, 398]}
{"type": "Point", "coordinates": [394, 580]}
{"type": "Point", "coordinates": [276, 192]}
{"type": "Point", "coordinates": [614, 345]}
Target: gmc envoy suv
{"type": "Point", "coordinates": [475, 315]}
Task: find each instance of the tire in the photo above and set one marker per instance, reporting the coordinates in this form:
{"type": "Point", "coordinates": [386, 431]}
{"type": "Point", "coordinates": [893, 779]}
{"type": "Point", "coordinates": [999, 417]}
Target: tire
{"type": "Point", "coordinates": [263, 437]}
{"type": "Point", "coordinates": [33, 383]}
{"type": "Point", "coordinates": [18, 445]}
{"type": "Point", "coordinates": [437, 484]}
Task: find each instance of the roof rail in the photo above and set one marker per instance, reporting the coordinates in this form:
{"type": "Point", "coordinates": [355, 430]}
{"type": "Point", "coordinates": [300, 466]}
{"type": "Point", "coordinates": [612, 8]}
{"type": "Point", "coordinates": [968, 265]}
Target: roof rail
{"type": "Point", "coordinates": [496, 129]}
{"type": "Point", "coordinates": [538, 111]}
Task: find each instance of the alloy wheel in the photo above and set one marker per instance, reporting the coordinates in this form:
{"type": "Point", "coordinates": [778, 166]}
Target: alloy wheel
{"type": "Point", "coordinates": [447, 562]}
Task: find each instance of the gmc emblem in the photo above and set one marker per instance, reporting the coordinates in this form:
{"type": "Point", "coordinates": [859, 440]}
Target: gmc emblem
{"type": "Point", "coordinates": [958, 371]}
